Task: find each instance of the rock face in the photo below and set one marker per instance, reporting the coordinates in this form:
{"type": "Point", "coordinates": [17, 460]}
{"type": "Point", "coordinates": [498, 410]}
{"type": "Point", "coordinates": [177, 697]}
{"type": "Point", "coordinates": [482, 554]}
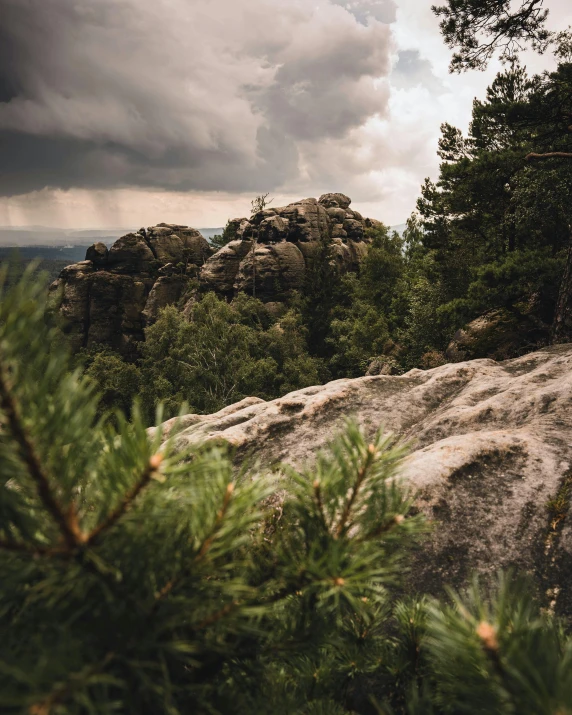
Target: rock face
{"type": "Point", "coordinates": [114, 294]}
{"type": "Point", "coordinates": [274, 247]}
{"type": "Point", "coordinates": [110, 297]}
{"type": "Point", "coordinates": [491, 456]}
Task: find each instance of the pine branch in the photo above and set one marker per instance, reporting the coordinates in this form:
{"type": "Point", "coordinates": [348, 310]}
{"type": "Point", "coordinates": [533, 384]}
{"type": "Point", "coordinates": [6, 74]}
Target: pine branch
{"type": "Point", "coordinates": [216, 616]}
{"type": "Point", "coordinates": [21, 548]}
{"type": "Point", "coordinates": [397, 520]}
{"type": "Point", "coordinates": [151, 468]}
{"type": "Point", "coordinates": [205, 546]}
{"type": "Point", "coordinates": [318, 496]}
{"type": "Point", "coordinates": [549, 155]}
{"type": "Point", "coordinates": [31, 460]}
{"type": "Point", "coordinates": [362, 474]}
{"type": "Point", "coordinates": [62, 692]}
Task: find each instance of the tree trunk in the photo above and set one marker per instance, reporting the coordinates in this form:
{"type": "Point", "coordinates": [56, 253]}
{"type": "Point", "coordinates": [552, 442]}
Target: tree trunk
{"type": "Point", "coordinates": [562, 325]}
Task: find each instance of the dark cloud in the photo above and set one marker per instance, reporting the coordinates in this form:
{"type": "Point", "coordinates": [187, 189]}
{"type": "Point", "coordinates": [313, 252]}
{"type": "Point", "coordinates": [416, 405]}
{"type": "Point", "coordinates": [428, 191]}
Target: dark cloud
{"type": "Point", "coordinates": [412, 70]}
{"type": "Point", "coordinates": [327, 87]}
{"type": "Point", "coordinates": [178, 95]}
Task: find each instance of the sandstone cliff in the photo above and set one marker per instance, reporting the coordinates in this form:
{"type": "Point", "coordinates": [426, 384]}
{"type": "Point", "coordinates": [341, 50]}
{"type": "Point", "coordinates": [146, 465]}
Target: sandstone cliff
{"type": "Point", "coordinates": [491, 455]}
{"type": "Point", "coordinates": [110, 297]}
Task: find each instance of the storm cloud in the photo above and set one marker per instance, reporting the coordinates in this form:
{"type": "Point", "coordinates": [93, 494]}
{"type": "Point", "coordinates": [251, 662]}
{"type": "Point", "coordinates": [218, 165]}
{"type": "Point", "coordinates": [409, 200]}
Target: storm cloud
{"type": "Point", "coordinates": [209, 95]}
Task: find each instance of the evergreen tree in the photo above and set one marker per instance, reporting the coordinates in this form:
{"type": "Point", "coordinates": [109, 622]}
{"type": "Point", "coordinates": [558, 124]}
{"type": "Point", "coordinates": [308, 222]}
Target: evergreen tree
{"type": "Point", "coordinates": [137, 580]}
{"type": "Point", "coordinates": [477, 29]}
{"type": "Point", "coordinates": [134, 579]}
{"type": "Point", "coordinates": [370, 310]}
{"type": "Point", "coordinates": [495, 226]}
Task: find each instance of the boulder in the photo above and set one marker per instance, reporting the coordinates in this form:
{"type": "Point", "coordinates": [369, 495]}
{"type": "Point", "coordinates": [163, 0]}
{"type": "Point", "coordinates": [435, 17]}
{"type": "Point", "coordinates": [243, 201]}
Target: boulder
{"type": "Point", "coordinates": [498, 334]}
{"type": "Point", "coordinates": [130, 254]}
{"type": "Point", "coordinates": [278, 269]}
{"type": "Point", "coordinates": [69, 298]}
{"type": "Point", "coordinates": [220, 271]}
{"type": "Point", "coordinates": [491, 454]}
{"type": "Point", "coordinates": [175, 243]}
{"type": "Point", "coordinates": [273, 229]}
{"type": "Point", "coordinates": [167, 290]}
{"type": "Point", "coordinates": [335, 200]}
{"type": "Point", "coordinates": [307, 221]}
{"type": "Point", "coordinates": [383, 366]}
{"type": "Point", "coordinates": [97, 254]}
{"type": "Point", "coordinates": [287, 238]}
{"type": "Point", "coordinates": [115, 306]}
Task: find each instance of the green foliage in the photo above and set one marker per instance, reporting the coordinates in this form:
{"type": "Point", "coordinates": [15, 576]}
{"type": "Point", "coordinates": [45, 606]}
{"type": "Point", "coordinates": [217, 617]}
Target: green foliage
{"type": "Point", "coordinates": [498, 655]}
{"type": "Point", "coordinates": [363, 307]}
{"type": "Point", "coordinates": [478, 28]}
{"type": "Point", "coordinates": [495, 226]}
{"type": "Point", "coordinates": [220, 240]}
{"type": "Point", "coordinates": [323, 291]}
{"type": "Point", "coordinates": [218, 355]}
{"type": "Point", "coordinates": [259, 203]}
{"type": "Point", "coordinates": [221, 354]}
{"type": "Point", "coordinates": [118, 381]}
{"type": "Point", "coordinates": [137, 580]}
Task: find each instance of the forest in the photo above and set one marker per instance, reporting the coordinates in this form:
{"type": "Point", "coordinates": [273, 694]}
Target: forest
{"type": "Point", "coordinates": [139, 577]}
{"type": "Point", "coordinates": [489, 238]}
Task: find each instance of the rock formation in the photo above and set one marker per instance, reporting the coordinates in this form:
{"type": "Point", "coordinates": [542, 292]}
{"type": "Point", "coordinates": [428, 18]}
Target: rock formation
{"type": "Point", "coordinates": [273, 249]}
{"type": "Point", "coordinates": [491, 456]}
{"type": "Point", "coordinates": [110, 297]}
{"type": "Point", "coordinates": [498, 334]}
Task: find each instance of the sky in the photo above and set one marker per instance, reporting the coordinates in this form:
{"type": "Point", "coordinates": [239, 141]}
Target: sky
{"type": "Point", "coordinates": [127, 113]}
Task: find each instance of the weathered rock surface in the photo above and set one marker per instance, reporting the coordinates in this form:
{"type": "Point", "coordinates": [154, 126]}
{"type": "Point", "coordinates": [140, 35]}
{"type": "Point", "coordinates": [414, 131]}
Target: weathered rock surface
{"type": "Point", "coordinates": [115, 293]}
{"type": "Point", "coordinates": [491, 450]}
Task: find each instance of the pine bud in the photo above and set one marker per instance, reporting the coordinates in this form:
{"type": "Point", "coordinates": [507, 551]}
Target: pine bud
{"type": "Point", "coordinates": [399, 519]}
{"type": "Point", "coordinates": [488, 635]}
{"type": "Point", "coordinates": [371, 449]}
{"type": "Point", "coordinates": [155, 462]}
{"type": "Point", "coordinates": [339, 581]}
{"type": "Point", "coordinates": [316, 484]}
{"type": "Point", "coordinates": [39, 709]}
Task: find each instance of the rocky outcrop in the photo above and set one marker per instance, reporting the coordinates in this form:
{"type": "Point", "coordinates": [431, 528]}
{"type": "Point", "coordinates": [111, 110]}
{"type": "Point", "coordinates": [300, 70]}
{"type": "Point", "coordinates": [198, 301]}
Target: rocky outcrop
{"type": "Point", "coordinates": [109, 298]}
{"type": "Point", "coordinates": [491, 457]}
{"type": "Point", "coordinates": [115, 293]}
{"type": "Point", "coordinates": [498, 334]}
{"type": "Point", "coordinates": [275, 247]}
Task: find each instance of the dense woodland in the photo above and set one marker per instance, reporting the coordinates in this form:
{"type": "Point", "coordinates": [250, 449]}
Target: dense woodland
{"type": "Point", "coordinates": [490, 237]}
{"type": "Point", "coordinates": [136, 579]}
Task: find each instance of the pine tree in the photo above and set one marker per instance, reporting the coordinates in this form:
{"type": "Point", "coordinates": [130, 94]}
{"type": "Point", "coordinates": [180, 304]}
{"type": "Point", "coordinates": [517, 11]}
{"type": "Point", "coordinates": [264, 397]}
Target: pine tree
{"type": "Point", "coordinates": [139, 580]}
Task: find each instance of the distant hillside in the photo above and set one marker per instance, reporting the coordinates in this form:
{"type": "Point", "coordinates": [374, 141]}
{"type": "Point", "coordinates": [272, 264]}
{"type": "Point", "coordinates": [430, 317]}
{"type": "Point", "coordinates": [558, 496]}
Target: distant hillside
{"type": "Point", "coordinates": [25, 236]}
{"type": "Point", "coordinates": [208, 233]}
{"type": "Point", "coordinates": [51, 260]}
{"type": "Point", "coordinates": [43, 236]}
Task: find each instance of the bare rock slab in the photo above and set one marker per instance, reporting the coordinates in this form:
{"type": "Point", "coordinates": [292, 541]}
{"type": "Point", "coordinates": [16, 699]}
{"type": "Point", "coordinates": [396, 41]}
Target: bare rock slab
{"type": "Point", "coordinates": [491, 451]}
